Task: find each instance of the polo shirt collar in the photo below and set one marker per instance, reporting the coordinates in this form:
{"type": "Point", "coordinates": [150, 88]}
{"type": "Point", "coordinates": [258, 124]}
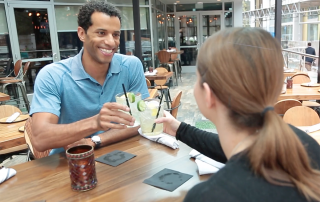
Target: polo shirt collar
{"type": "Point", "coordinates": [78, 72]}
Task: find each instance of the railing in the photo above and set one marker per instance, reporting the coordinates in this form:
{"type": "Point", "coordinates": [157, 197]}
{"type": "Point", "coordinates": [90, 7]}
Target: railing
{"type": "Point", "coordinates": [301, 57]}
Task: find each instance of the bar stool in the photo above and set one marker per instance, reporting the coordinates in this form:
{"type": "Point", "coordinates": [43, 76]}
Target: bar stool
{"type": "Point", "coordinates": [17, 83]}
{"type": "Point", "coordinates": [164, 89]}
{"type": "Point", "coordinates": [165, 59]}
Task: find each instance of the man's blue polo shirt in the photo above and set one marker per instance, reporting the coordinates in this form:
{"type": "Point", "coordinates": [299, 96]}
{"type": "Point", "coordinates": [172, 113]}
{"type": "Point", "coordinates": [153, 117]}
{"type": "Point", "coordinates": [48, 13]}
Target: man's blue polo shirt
{"type": "Point", "coordinates": [66, 90]}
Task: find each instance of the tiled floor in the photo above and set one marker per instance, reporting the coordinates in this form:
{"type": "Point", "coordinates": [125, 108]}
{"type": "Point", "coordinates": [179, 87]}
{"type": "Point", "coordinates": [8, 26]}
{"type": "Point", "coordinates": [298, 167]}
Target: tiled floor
{"type": "Point", "coordinates": [188, 111]}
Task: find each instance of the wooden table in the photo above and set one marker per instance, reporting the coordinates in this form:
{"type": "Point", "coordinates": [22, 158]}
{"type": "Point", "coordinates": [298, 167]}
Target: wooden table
{"type": "Point", "coordinates": [10, 138]}
{"type": "Point", "coordinates": [48, 178]}
{"type": "Point", "coordinates": [299, 92]}
{"type": "Point", "coordinates": [4, 97]}
{"type": "Point", "coordinates": [159, 76]}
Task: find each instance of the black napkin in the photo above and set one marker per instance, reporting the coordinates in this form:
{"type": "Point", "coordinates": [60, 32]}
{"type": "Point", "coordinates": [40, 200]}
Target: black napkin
{"type": "Point", "coordinates": [168, 179]}
{"type": "Point", "coordinates": [115, 158]}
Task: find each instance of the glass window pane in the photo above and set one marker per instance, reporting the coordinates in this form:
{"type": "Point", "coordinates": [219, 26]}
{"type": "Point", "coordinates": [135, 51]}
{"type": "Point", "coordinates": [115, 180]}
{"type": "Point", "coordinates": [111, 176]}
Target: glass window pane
{"type": "Point", "coordinates": [69, 43]}
{"type": "Point", "coordinates": [211, 25]}
{"type": "Point", "coordinates": [185, 7]}
{"type": "Point", "coordinates": [170, 8]}
{"type": "Point", "coordinates": [5, 48]}
{"type": "Point", "coordinates": [188, 30]}
{"type": "Point", "coordinates": [33, 32]}
{"type": "Point", "coordinates": [128, 2]}
{"type": "Point", "coordinates": [228, 19]}
{"type": "Point", "coordinates": [159, 5]}
{"type": "Point", "coordinates": [286, 33]}
{"type": "Point", "coordinates": [73, 1]}
{"type": "Point", "coordinates": [67, 17]}
{"type": "Point", "coordinates": [212, 6]}
{"type": "Point", "coordinates": [228, 6]}
{"type": "Point", "coordinates": [170, 30]}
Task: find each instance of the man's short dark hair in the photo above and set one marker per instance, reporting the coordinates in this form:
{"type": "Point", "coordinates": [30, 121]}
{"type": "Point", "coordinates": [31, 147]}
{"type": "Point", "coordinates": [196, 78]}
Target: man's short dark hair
{"type": "Point", "coordinates": [84, 16]}
{"type": "Point", "coordinates": [309, 43]}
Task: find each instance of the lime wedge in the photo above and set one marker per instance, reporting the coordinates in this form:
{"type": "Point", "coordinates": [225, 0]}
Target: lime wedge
{"type": "Point", "coordinates": [141, 105]}
{"type": "Point", "coordinates": [131, 97]}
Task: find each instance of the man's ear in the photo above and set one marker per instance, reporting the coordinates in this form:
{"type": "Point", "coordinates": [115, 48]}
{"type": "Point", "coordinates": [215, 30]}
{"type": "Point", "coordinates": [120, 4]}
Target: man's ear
{"type": "Point", "coordinates": [81, 34]}
{"type": "Point", "coordinates": [209, 97]}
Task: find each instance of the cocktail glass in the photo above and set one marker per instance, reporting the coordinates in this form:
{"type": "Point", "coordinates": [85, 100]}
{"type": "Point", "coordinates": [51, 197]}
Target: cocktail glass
{"type": "Point", "coordinates": [149, 115]}
{"type": "Point", "coordinates": [133, 98]}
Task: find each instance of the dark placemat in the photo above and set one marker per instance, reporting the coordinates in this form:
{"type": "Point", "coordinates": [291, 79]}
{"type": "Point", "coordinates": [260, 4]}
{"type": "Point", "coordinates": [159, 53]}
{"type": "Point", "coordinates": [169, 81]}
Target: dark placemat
{"type": "Point", "coordinates": [168, 179]}
{"type": "Point", "coordinates": [115, 158]}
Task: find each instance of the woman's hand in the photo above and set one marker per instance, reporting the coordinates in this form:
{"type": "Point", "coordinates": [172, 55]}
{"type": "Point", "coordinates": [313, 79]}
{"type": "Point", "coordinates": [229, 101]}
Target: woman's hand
{"type": "Point", "coordinates": [170, 124]}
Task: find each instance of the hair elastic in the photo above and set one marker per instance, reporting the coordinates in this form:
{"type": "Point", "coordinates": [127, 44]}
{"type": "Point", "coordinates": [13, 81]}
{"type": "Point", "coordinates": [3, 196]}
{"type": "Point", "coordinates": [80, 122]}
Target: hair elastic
{"type": "Point", "coordinates": [269, 108]}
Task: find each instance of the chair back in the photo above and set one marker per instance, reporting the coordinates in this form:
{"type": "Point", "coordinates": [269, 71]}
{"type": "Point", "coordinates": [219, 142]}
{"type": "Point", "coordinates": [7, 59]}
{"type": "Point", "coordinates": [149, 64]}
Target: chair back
{"type": "Point", "coordinates": [173, 56]}
{"type": "Point", "coordinates": [161, 82]}
{"type": "Point", "coordinates": [8, 110]}
{"type": "Point", "coordinates": [9, 67]}
{"type": "Point", "coordinates": [17, 67]}
{"type": "Point", "coordinates": [163, 56]}
{"type": "Point", "coordinates": [283, 105]}
{"type": "Point", "coordinates": [25, 68]}
{"type": "Point", "coordinates": [301, 116]}
{"type": "Point", "coordinates": [148, 83]}
{"type": "Point", "coordinates": [129, 53]}
{"type": "Point", "coordinates": [28, 135]}
{"type": "Point", "coordinates": [175, 104]}
{"type": "Point", "coordinates": [300, 78]}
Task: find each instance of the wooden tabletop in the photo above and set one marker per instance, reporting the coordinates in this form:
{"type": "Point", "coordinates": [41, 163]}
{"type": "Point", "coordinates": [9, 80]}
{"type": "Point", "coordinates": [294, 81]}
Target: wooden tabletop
{"type": "Point", "coordinates": [299, 92]}
{"type": "Point", "coordinates": [10, 138]}
{"type": "Point", "coordinates": [4, 97]}
{"type": "Point", "coordinates": [48, 178]}
{"type": "Point", "coordinates": [160, 76]}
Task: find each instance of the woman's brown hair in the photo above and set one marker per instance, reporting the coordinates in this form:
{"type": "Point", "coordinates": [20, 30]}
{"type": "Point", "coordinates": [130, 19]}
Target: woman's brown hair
{"type": "Point", "coordinates": [244, 68]}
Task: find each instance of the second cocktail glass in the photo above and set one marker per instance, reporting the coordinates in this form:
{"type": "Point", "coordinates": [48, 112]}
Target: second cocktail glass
{"type": "Point", "coordinates": [148, 115]}
{"type": "Point", "coordinates": [133, 98]}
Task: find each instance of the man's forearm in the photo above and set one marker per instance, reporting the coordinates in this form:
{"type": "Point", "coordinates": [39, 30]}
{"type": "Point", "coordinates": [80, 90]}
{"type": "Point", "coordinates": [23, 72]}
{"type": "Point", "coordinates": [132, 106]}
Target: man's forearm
{"type": "Point", "coordinates": [115, 135]}
{"type": "Point", "coordinates": [48, 136]}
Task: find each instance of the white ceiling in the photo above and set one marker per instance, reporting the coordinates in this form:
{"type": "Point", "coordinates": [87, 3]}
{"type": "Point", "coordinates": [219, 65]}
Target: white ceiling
{"type": "Point", "coordinates": [194, 1]}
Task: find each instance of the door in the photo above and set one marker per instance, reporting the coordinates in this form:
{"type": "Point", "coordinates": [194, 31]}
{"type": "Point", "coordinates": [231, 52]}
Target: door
{"type": "Point", "coordinates": [192, 29]}
{"type": "Point", "coordinates": [33, 33]}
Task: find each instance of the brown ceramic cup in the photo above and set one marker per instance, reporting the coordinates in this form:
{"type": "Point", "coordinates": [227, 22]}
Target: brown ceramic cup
{"type": "Point", "coordinates": [82, 167]}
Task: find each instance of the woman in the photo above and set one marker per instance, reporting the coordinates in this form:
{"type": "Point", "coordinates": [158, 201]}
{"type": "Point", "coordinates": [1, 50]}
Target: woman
{"type": "Point", "coordinates": [239, 78]}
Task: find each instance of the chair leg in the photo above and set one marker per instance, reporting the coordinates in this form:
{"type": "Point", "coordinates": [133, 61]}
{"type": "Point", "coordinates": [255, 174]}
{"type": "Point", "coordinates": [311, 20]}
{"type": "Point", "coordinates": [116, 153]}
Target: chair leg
{"type": "Point", "coordinates": [24, 95]}
{"type": "Point", "coordinates": [176, 72]}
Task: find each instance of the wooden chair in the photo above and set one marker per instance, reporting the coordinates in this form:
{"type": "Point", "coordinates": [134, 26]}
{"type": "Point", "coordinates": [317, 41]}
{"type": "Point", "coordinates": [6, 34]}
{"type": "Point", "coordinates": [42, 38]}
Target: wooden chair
{"type": "Point", "coordinates": [148, 83]}
{"type": "Point", "coordinates": [300, 78]}
{"type": "Point", "coordinates": [28, 135]}
{"type": "Point", "coordinates": [175, 105]}
{"type": "Point", "coordinates": [165, 59]}
{"type": "Point", "coordinates": [162, 87]}
{"type": "Point", "coordinates": [17, 83]}
{"type": "Point", "coordinates": [8, 110]}
{"type": "Point", "coordinates": [283, 105]}
{"type": "Point", "coordinates": [301, 116]}
{"type": "Point", "coordinates": [16, 70]}
{"type": "Point", "coordinates": [174, 58]}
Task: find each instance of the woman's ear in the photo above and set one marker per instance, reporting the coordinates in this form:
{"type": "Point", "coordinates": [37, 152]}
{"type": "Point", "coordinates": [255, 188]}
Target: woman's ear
{"type": "Point", "coordinates": [209, 97]}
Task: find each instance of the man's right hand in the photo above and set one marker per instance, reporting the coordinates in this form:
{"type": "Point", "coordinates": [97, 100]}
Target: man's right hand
{"type": "Point", "coordinates": [110, 117]}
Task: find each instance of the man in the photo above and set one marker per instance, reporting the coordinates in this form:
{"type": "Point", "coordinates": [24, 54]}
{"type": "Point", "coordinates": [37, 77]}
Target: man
{"type": "Point", "coordinates": [309, 61]}
{"type": "Point", "coordinates": [73, 98]}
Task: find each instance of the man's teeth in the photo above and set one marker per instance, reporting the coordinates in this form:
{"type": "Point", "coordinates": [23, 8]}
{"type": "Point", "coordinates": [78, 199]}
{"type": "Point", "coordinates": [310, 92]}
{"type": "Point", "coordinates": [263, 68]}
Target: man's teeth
{"type": "Point", "coordinates": [106, 51]}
